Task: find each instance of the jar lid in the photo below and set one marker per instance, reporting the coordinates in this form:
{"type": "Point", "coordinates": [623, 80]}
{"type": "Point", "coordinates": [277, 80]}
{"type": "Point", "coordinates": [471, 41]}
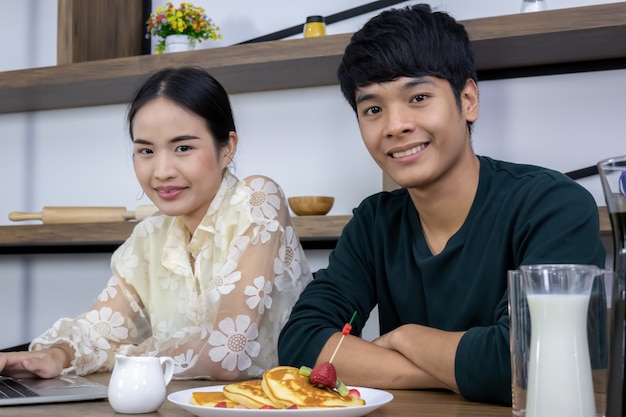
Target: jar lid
{"type": "Point", "coordinates": [311, 19]}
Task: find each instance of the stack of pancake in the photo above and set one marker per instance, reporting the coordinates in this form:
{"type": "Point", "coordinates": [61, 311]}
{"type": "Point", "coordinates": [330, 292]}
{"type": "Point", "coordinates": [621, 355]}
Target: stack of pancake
{"type": "Point", "coordinates": [281, 387]}
{"type": "Point", "coordinates": [212, 399]}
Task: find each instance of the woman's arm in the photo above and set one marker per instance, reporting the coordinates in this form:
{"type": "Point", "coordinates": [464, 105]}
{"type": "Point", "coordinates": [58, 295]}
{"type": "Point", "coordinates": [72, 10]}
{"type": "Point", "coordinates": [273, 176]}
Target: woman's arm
{"type": "Point", "coordinates": [90, 340]}
{"type": "Point", "coordinates": [268, 263]}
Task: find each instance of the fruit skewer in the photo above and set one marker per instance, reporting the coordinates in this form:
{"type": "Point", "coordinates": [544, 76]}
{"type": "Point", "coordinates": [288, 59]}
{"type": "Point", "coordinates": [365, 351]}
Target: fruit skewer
{"type": "Point", "coordinates": [347, 328]}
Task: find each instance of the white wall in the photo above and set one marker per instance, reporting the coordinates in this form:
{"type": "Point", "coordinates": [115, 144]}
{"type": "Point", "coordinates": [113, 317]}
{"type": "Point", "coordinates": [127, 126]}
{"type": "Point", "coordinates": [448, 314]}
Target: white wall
{"type": "Point", "coordinates": [307, 139]}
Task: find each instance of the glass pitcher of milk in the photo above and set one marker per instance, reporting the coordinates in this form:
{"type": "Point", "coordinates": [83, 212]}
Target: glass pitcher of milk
{"type": "Point", "coordinates": [569, 322]}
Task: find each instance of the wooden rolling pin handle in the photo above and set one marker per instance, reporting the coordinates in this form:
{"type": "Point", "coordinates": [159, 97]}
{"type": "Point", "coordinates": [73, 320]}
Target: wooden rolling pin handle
{"type": "Point", "coordinates": [128, 215]}
{"type": "Point", "coordinates": [144, 211]}
{"type": "Point", "coordinates": [18, 216]}
{"type": "Point", "coordinates": [141, 212]}
{"type": "Point", "coordinates": [68, 215]}
{"type": "Point", "coordinates": [50, 215]}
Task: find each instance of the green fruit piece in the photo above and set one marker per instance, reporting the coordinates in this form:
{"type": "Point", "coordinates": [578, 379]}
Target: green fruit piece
{"type": "Point", "coordinates": [342, 389]}
{"type": "Point", "coordinates": [305, 370]}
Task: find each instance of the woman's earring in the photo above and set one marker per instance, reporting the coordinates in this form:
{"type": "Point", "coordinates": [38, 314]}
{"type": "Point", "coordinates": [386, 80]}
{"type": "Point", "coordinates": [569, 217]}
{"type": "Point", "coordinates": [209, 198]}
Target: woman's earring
{"type": "Point", "coordinates": [140, 195]}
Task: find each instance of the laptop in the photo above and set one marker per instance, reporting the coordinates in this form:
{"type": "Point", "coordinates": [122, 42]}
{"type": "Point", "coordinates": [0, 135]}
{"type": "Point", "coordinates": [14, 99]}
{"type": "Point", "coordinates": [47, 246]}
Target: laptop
{"type": "Point", "coordinates": [59, 389]}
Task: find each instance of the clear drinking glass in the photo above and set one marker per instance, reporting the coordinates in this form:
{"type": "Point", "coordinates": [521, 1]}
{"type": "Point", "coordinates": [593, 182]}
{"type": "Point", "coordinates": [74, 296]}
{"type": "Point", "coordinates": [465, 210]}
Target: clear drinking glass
{"type": "Point", "coordinates": [533, 6]}
{"type": "Point", "coordinates": [612, 173]}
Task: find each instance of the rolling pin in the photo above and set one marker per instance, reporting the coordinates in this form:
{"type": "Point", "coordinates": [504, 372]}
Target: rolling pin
{"type": "Point", "coordinates": [51, 214]}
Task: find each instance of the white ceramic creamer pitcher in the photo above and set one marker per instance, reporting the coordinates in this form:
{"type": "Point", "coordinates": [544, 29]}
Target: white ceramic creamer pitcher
{"type": "Point", "coordinates": [138, 383]}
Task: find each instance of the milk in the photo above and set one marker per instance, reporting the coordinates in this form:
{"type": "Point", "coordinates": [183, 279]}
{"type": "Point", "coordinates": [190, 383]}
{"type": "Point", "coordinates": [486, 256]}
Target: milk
{"type": "Point", "coordinates": [559, 369]}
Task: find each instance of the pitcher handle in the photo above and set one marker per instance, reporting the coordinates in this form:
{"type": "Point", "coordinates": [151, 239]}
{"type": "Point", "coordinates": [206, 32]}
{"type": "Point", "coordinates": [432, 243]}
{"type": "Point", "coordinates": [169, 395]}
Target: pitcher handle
{"type": "Point", "coordinates": [168, 372]}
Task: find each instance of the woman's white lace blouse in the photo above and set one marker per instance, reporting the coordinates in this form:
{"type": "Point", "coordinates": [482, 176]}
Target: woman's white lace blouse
{"type": "Point", "coordinates": [214, 302]}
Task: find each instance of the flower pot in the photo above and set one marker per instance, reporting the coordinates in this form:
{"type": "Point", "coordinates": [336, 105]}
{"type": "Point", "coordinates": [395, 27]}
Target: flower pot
{"type": "Point", "coordinates": [178, 43]}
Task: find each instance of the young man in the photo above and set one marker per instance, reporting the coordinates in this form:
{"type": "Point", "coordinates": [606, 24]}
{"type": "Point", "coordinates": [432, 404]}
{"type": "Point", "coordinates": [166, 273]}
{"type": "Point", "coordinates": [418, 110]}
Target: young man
{"type": "Point", "coordinates": [434, 254]}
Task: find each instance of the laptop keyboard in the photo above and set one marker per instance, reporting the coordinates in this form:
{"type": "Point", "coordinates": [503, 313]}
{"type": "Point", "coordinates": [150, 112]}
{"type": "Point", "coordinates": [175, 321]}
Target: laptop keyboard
{"type": "Point", "coordinates": [9, 388]}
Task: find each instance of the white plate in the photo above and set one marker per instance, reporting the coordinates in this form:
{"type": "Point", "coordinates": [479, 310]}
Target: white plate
{"type": "Point", "coordinates": [374, 398]}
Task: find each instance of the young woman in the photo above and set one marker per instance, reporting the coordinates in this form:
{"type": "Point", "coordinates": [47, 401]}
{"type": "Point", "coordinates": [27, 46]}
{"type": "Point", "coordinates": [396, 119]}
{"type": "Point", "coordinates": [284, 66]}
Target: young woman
{"type": "Point", "coordinates": [211, 278]}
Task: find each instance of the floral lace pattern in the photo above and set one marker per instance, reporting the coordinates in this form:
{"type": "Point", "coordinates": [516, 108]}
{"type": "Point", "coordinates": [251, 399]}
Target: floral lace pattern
{"type": "Point", "coordinates": [219, 318]}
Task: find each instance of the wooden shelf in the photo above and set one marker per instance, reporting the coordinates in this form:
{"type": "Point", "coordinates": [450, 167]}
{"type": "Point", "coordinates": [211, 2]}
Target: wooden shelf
{"type": "Point", "coordinates": [554, 37]}
{"type": "Point", "coordinates": [554, 41]}
{"type": "Point", "coordinates": [103, 237]}
{"type": "Point", "coordinates": [573, 39]}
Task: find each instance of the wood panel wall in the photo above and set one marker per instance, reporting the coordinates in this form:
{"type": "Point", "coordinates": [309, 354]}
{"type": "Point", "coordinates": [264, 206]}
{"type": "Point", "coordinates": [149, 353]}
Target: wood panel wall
{"type": "Point", "coordinates": [90, 30]}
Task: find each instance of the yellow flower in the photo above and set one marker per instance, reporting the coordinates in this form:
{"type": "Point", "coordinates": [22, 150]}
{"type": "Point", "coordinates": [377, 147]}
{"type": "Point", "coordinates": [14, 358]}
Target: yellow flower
{"type": "Point", "coordinates": [187, 20]}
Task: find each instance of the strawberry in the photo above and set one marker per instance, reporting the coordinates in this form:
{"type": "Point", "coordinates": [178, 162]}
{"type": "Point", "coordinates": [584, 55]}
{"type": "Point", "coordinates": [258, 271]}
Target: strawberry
{"type": "Point", "coordinates": [324, 375]}
{"type": "Point", "coordinates": [292, 407]}
{"type": "Point", "coordinates": [221, 404]}
{"type": "Point", "coordinates": [268, 407]}
{"type": "Point", "coordinates": [353, 392]}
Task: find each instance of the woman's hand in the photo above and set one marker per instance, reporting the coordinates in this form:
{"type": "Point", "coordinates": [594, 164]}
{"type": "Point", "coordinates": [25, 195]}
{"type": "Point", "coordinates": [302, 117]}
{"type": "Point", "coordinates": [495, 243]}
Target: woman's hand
{"type": "Point", "coordinates": [46, 363]}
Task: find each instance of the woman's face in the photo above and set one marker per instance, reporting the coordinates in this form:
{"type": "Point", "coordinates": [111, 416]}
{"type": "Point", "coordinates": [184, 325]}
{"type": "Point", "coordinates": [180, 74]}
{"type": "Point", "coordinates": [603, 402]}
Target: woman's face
{"type": "Point", "coordinates": [176, 159]}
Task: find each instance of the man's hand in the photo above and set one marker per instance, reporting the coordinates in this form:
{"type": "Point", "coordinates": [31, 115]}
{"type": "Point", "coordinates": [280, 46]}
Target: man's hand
{"type": "Point", "coordinates": [46, 363]}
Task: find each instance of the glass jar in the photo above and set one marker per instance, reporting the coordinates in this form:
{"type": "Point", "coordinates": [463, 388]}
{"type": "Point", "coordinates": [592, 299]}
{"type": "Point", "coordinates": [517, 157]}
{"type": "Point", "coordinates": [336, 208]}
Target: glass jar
{"type": "Point", "coordinates": [533, 6]}
{"type": "Point", "coordinates": [314, 26]}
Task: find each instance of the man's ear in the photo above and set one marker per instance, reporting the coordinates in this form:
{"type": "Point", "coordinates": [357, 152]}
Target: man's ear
{"type": "Point", "coordinates": [469, 101]}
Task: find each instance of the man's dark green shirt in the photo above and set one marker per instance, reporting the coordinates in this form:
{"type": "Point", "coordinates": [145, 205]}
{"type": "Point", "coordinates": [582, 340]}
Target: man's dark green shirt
{"type": "Point", "coordinates": [521, 215]}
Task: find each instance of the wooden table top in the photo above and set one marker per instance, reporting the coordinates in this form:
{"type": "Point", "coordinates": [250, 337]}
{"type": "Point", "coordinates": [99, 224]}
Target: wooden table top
{"type": "Point", "coordinates": [405, 403]}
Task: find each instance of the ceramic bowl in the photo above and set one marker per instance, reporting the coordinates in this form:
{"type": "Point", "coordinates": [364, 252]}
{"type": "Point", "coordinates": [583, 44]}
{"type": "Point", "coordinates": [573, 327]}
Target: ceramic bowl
{"type": "Point", "coordinates": [311, 205]}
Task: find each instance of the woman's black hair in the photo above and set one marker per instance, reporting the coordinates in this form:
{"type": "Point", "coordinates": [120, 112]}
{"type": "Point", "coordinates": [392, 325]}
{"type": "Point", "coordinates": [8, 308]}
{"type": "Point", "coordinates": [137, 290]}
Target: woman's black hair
{"type": "Point", "coordinates": [194, 89]}
{"type": "Point", "coordinates": [408, 42]}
